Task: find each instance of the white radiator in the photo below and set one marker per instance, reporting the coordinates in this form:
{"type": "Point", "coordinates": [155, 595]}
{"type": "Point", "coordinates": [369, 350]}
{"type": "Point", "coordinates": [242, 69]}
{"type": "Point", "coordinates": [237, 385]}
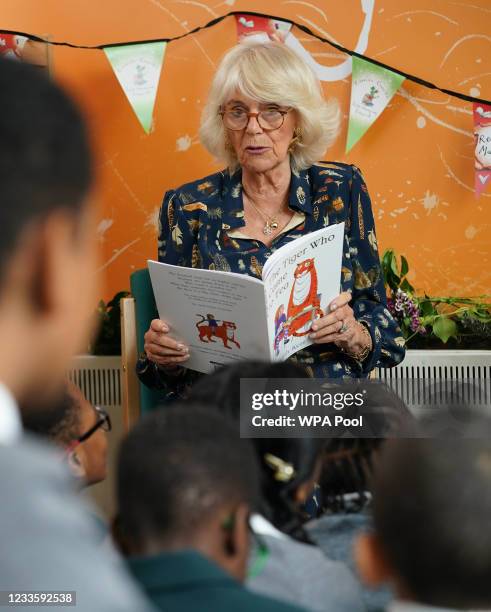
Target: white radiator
{"type": "Point", "coordinates": [452, 377]}
{"type": "Point", "coordinates": [99, 378]}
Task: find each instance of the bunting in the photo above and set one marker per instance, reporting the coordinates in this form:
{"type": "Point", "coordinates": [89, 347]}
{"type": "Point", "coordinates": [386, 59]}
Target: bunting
{"type": "Point", "coordinates": [138, 68]}
{"type": "Point", "coordinates": [138, 65]}
{"type": "Point", "coordinates": [482, 139]}
{"type": "Point", "coordinates": [24, 49]}
{"type": "Point", "coordinates": [255, 27]}
{"type": "Point", "coordinates": [372, 88]}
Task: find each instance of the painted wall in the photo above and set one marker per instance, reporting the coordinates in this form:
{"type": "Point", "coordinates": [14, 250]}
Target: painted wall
{"type": "Point", "coordinates": [417, 159]}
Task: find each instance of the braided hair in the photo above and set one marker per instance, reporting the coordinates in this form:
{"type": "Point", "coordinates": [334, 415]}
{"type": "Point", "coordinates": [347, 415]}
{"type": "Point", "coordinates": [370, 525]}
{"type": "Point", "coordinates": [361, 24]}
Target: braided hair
{"type": "Point", "coordinates": [349, 462]}
{"type": "Point", "coordinates": [347, 467]}
{"type": "Point", "coordinates": [287, 464]}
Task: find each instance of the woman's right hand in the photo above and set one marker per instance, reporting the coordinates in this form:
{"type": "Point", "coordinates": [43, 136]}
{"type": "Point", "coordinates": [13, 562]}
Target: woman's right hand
{"type": "Point", "coordinates": [161, 348]}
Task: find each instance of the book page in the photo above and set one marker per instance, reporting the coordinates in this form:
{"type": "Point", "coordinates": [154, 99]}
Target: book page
{"type": "Point", "coordinates": [221, 316]}
{"type": "Point", "coordinates": [300, 280]}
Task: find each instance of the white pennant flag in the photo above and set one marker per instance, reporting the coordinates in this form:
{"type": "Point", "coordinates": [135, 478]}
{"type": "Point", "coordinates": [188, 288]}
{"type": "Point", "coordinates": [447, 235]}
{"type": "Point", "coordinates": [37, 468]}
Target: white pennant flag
{"type": "Point", "coordinates": [138, 68]}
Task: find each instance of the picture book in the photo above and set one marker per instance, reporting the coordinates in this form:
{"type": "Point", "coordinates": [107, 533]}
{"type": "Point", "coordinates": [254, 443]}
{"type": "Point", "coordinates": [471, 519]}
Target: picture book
{"type": "Point", "coordinates": [226, 317]}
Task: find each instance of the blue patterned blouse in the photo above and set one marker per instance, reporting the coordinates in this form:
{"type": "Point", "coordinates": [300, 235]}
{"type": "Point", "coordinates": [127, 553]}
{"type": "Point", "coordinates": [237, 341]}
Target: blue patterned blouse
{"type": "Point", "coordinates": [195, 221]}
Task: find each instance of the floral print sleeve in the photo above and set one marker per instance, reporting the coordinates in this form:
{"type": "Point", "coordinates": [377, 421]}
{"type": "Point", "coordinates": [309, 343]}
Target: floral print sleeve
{"type": "Point", "coordinates": [175, 246]}
{"type": "Point", "coordinates": [369, 299]}
{"type": "Point", "coordinates": [175, 239]}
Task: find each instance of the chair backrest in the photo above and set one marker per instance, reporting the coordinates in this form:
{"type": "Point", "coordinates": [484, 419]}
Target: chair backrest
{"type": "Point", "coordinates": [136, 314]}
{"type": "Point", "coordinates": [130, 385]}
{"type": "Point", "coordinates": [146, 310]}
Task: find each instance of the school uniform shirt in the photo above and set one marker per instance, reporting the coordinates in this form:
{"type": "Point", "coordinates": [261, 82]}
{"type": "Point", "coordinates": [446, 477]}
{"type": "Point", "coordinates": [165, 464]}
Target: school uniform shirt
{"type": "Point", "coordinates": [299, 573]}
{"type": "Point", "coordinates": [49, 542]}
{"type": "Point", "coordinates": [413, 606]}
{"type": "Point", "coordinates": [335, 535]}
{"type": "Point", "coordinates": [186, 581]}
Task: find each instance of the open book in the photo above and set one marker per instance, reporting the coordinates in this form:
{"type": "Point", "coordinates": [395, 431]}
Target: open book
{"type": "Point", "coordinates": [225, 317]}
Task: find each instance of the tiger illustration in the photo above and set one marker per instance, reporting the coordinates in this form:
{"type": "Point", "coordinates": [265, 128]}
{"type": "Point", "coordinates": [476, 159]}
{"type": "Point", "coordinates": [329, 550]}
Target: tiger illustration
{"type": "Point", "coordinates": [304, 303]}
{"type": "Point", "coordinates": [225, 331]}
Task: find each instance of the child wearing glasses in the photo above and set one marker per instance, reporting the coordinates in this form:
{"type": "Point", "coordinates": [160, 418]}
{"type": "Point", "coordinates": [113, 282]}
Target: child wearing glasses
{"type": "Point", "coordinates": [80, 428]}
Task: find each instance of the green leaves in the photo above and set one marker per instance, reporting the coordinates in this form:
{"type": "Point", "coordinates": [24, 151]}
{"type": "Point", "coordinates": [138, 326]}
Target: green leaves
{"type": "Point", "coordinates": [404, 266]}
{"type": "Point", "coordinates": [461, 318]}
{"type": "Point", "coordinates": [444, 328]}
{"type": "Point", "coordinates": [395, 274]}
{"type": "Point", "coordinates": [426, 307]}
{"type": "Point", "coordinates": [108, 340]}
{"type": "Point", "coordinates": [389, 269]}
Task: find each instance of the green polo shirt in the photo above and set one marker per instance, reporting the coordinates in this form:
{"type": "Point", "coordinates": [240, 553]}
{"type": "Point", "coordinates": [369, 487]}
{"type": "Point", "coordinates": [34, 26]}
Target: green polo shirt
{"type": "Point", "coordinates": [186, 581]}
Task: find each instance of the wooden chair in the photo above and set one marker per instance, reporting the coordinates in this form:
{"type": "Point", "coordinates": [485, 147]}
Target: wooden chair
{"type": "Point", "coordinates": [136, 313]}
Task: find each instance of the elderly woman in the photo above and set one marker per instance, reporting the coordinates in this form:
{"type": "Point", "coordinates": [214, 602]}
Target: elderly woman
{"type": "Point", "coordinates": [267, 120]}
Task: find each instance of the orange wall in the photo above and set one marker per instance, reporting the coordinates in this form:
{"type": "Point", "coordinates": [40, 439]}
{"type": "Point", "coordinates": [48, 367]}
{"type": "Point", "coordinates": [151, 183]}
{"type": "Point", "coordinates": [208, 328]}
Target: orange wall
{"type": "Point", "coordinates": [417, 159]}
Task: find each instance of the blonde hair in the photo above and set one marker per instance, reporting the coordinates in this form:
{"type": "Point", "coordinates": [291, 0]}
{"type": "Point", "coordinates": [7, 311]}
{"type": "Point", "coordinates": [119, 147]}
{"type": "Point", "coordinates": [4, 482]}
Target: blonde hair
{"type": "Point", "coordinates": [271, 73]}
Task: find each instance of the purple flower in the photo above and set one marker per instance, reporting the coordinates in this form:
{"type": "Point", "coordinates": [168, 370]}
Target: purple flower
{"type": "Point", "coordinates": [403, 305]}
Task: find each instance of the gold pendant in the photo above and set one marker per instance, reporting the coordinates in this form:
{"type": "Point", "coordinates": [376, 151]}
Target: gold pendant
{"type": "Point", "coordinates": [267, 229]}
{"type": "Point", "coordinates": [273, 224]}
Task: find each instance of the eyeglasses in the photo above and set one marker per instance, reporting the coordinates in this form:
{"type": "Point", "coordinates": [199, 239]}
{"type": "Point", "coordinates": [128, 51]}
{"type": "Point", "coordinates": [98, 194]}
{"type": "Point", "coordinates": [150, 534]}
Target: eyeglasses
{"type": "Point", "coordinates": [238, 118]}
{"type": "Point", "coordinates": [103, 422]}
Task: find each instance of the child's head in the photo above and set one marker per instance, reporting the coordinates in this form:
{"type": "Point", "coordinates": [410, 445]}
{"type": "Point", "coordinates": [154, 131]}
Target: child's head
{"type": "Point", "coordinates": [89, 449]}
{"type": "Point", "coordinates": [348, 461]}
{"type": "Point", "coordinates": [289, 466]}
{"type": "Point", "coordinates": [186, 480]}
{"type": "Point", "coordinates": [222, 388]}
{"type": "Point", "coordinates": [432, 516]}
{"type": "Point", "coordinates": [48, 279]}
{"type": "Point", "coordinates": [80, 428]}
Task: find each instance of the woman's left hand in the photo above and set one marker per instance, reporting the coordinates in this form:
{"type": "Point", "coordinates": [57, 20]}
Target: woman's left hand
{"type": "Point", "coordinates": [340, 326]}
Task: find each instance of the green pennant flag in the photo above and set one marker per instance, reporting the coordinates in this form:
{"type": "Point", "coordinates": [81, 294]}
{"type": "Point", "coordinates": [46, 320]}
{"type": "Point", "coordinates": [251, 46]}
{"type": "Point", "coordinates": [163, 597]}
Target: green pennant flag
{"type": "Point", "coordinates": [137, 68]}
{"type": "Point", "coordinates": [372, 88]}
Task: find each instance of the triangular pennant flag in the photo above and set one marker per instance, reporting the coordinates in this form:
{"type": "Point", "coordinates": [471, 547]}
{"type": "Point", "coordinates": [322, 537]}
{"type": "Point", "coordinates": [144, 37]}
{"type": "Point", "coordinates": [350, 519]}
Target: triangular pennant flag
{"type": "Point", "coordinates": [261, 28]}
{"type": "Point", "coordinates": [372, 88]}
{"type": "Point", "coordinates": [16, 46]}
{"type": "Point", "coordinates": [137, 68]}
{"type": "Point", "coordinates": [482, 139]}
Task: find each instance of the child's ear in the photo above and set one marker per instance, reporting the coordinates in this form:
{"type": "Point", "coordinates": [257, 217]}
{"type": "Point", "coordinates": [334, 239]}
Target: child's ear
{"type": "Point", "coordinates": [75, 464]}
{"type": "Point", "coordinates": [237, 530]}
{"type": "Point", "coordinates": [370, 561]}
{"type": "Point", "coordinates": [237, 542]}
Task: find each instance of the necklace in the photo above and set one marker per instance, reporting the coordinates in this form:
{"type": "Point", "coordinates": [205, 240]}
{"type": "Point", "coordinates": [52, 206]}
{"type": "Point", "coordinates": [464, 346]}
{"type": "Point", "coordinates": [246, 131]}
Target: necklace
{"type": "Point", "coordinates": [271, 224]}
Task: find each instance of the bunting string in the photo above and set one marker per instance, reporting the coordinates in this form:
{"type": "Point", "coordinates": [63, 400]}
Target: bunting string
{"type": "Point", "coordinates": [301, 27]}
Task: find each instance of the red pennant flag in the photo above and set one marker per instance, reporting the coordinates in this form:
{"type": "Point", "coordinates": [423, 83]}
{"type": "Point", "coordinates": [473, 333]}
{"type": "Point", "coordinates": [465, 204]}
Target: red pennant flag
{"type": "Point", "coordinates": [15, 46]}
{"type": "Point", "coordinates": [261, 27]}
{"type": "Point", "coordinates": [482, 141]}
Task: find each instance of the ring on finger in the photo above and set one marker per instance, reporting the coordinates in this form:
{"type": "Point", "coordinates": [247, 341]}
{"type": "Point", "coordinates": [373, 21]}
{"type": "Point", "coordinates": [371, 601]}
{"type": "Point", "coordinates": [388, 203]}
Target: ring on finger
{"type": "Point", "coordinates": [343, 327]}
